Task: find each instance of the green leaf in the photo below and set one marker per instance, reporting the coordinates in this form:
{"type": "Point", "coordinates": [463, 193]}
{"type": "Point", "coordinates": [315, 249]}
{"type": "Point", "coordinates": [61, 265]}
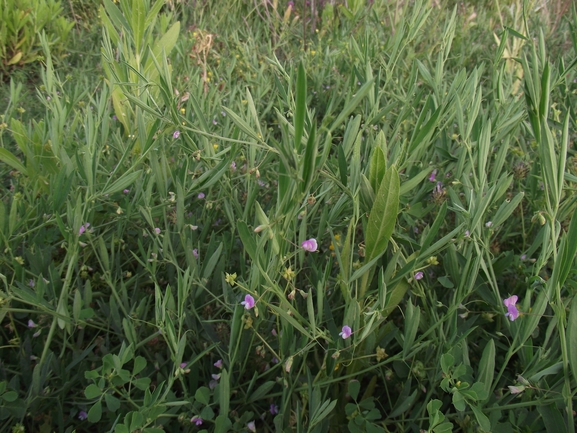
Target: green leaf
{"type": "Point", "coordinates": [112, 403]}
{"type": "Point", "coordinates": [139, 365]}
{"type": "Point", "coordinates": [92, 391]}
{"type": "Point", "coordinates": [122, 182]}
{"type": "Point", "coordinates": [412, 319]}
{"type": "Point", "coordinates": [202, 395]}
{"type": "Point", "coordinates": [309, 161]}
{"type": "Point", "coordinates": [487, 366]}
{"type": "Point", "coordinates": [383, 216]}
{"type": "Point", "coordinates": [447, 362]}
{"type": "Point", "coordinates": [222, 424]}
{"type": "Point", "coordinates": [459, 401]}
{"type": "Point", "coordinates": [351, 105]}
{"type": "Point", "coordinates": [9, 396]}
{"type": "Point", "coordinates": [354, 388]}
{"type": "Point", "coordinates": [95, 412]}
{"type": "Point", "coordinates": [261, 392]}
{"type": "Point", "coordinates": [482, 419]}
{"type": "Point", "coordinates": [301, 107]}
{"type": "Point", "coordinates": [378, 168]}
{"type": "Point", "coordinates": [572, 336]}
{"type": "Point", "coordinates": [8, 158]}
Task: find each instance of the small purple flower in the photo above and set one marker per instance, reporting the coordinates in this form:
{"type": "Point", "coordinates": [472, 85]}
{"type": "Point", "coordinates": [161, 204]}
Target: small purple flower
{"type": "Point", "coordinates": [523, 257]}
{"type": "Point", "coordinates": [273, 332]}
{"type": "Point", "coordinates": [418, 276]}
{"type": "Point", "coordinates": [310, 245]}
{"type": "Point", "coordinates": [157, 230]}
{"type": "Point", "coordinates": [218, 364]}
{"type": "Point", "coordinates": [248, 302]}
{"type": "Point", "coordinates": [512, 311]}
{"type": "Point", "coordinates": [489, 224]}
{"type": "Point", "coordinates": [432, 176]}
{"type": "Point", "coordinates": [261, 182]}
{"type": "Point", "coordinates": [176, 134]}
{"type": "Point", "coordinates": [195, 253]}
{"type": "Point", "coordinates": [214, 122]}
{"type": "Point", "coordinates": [223, 113]}
{"type": "Point", "coordinates": [126, 191]}
{"type": "Point", "coordinates": [216, 376]}
{"type": "Point", "coordinates": [273, 409]}
{"type": "Point", "coordinates": [201, 195]}
{"type": "Point", "coordinates": [31, 323]}
{"type": "Point", "coordinates": [196, 420]}
{"type": "Point", "coordinates": [183, 364]}
{"type": "Point", "coordinates": [233, 166]}
{"type": "Point", "coordinates": [291, 4]}
{"type": "Point", "coordinates": [83, 228]}
{"type": "Point", "coordinates": [82, 415]}
{"type": "Point", "coordinates": [251, 426]}
{"type": "Point", "coordinates": [114, 117]}
{"type": "Point", "coordinates": [346, 332]}
{"type": "Point", "coordinates": [31, 283]}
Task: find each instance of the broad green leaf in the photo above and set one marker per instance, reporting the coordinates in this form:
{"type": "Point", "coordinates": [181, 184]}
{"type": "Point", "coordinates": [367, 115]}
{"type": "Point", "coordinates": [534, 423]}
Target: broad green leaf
{"type": "Point", "coordinates": [383, 215]}
{"type": "Point", "coordinates": [222, 424]}
{"type": "Point", "coordinates": [202, 395]}
{"type": "Point", "coordinates": [95, 412]}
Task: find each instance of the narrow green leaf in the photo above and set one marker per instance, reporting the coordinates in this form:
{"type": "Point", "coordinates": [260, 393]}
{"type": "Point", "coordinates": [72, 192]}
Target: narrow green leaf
{"type": "Point", "coordinates": [8, 158]}
{"type": "Point", "coordinates": [352, 104]}
{"type": "Point", "coordinates": [122, 182]}
{"type": "Point", "coordinates": [487, 366]}
{"type": "Point", "coordinates": [572, 337]}
{"type": "Point", "coordinates": [301, 107]}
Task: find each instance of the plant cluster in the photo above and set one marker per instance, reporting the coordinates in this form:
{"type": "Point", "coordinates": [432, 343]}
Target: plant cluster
{"type": "Point", "coordinates": [293, 217]}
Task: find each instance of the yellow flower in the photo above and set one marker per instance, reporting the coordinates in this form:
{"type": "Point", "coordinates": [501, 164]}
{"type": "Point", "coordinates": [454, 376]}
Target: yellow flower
{"type": "Point", "coordinates": [183, 110]}
{"type": "Point", "coordinates": [288, 273]}
{"type": "Point", "coordinates": [19, 259]}
{"type": "Point", "coordinates": [230, 278]}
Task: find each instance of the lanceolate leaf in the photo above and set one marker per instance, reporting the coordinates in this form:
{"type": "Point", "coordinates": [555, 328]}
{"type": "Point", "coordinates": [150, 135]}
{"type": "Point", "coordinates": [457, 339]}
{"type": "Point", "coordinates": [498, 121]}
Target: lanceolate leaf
{"type": "Point", "coordinates": [383, 215]}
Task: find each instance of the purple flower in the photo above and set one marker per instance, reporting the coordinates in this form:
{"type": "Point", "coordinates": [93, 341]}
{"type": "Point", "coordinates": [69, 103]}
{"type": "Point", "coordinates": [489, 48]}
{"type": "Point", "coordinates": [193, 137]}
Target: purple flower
{"type": "Point", "coordinates": [346, 332]}
{"type": "Point", "coordinates": [488, 224]}
{"type": "Point", "coordinates": [216, 376]}
{"type": "Point", "coordinates": [310, 245]}
{"type": "Point", "coordinates": [418, 275]}
{"type": "Point", "coordinates": [248, 302]}
{"type": "Point", "coordinates": [176, 134]}
{"type": "Point", "coordinates": [512, 311]}
{"type": "Point", "coordinates": [214, 122]}
{"type": "Point", "coordinates": [432, 176]}
{"type": "Point", "coordinates": [195, 253]}
{"type": "Point", "coordinates": [83, 228]}
{"type": "Point", "coordinates": [516, 389]}
{"type": "Point", "coordinates": [218, 364]}
{"type": "Point", "coordinates": [273, 409]}
{"type": "Point", "coordinates": [113, 118]}
{"type": "Point", "coordinates": [233, 166]}
{"type": "Point", "coordinates": [251, 426]}
{"type": "Point", "coordinates": [196, 420]}
{"type": "Point", "coordinates": [201, 195]}
{"type": "Point", "coordinates": [82, 415]}
{"type": "Point", "coordinates": [157, 230]}
{"type": "Point", "coordinates": [182, 364]}
{"type": "Point", "coordinates": [31, 283]}
{"type": "Point", "coordinates": [31, 323]}
{"type": "Point", "coordinates": [126, 191]}
{"type": "Point", "coordinates": [524, 257]}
